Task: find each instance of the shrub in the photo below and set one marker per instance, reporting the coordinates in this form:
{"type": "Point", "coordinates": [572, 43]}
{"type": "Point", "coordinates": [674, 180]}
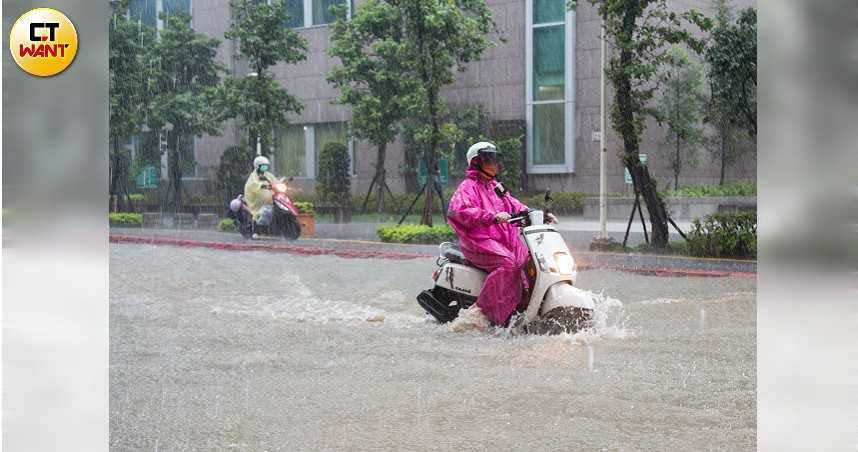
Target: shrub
{"type": "Point", "coordinates": [227, 225]}
{"type": "Point", "coordinates": [305, 207]}
{"type": "Point", "coordinates": [136, 197]}
{"type": "Point", "coordinates": [416, 233]}
{"type": "Point", "coordinates": [735, 189]}
{"type": "Point", "coordinates": [125, 219]}
{"type": "Point", "coordinates": [236, 163]}
{"type": "Point", "coordinates": [333, 183]}
{"type": "Point", "coordinates": [565, 203]}
{"type": "Point", "coordinates": [724, 235]}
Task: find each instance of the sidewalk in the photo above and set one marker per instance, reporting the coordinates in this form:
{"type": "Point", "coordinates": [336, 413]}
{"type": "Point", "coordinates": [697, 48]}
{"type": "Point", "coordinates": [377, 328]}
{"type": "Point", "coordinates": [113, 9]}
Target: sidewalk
{"type": "Point", "coordinates": [577, 231]}
{"type": "Point", "coordinates": [634, 263]}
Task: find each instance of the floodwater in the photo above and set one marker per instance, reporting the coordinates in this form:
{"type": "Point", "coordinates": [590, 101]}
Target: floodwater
{"type": "Point", "coordinates": [218, 350]}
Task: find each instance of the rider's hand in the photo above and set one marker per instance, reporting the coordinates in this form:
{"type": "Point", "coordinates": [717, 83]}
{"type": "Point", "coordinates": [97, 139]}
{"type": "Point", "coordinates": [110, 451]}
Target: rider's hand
{"type": "Point", "coordinates": [502, 217]}
{"type": "Point", "coordinates": [551, 218]}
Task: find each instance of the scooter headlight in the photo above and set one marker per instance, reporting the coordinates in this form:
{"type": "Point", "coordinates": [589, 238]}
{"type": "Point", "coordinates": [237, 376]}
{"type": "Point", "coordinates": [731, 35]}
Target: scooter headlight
{"type": "Point", "coordinates": [564, 263]}
{"type": "Point", "coordinates": [280, 187]}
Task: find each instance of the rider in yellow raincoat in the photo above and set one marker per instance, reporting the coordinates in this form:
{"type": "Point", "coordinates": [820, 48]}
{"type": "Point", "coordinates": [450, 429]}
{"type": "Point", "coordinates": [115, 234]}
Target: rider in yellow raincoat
{"type": "Point", "coordinates": [257, 189]}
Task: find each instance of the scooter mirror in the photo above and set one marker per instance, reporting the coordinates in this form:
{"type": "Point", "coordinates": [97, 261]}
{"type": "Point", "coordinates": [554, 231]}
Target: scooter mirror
{"type": "Point", "coordinates": [548, 196]}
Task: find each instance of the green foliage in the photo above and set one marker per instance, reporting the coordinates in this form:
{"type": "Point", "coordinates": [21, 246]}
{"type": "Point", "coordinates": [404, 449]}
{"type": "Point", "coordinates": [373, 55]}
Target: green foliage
{"type": "Point", "coordinates": [263, 41]}
{"type": "Point", "coordinates": [641, 33]}
{"type": "Point", "coordinates": [732, 58]}
{"type": "Point", "coordinates": [182, 72]}
{"type": "Point", "coordinates": [235, 166]}
{"type": "Point", "coordinates": [227, 225]}
{"type": "Point", "coordinates": [125, 219]}
{"type": "Point", "coordinates": [305, 207]}
{"type": "Point", "coordinates": [565, 203]}
{"type": "Point", "coordinates": [416, 233]}
{"type": "Point", "coordinates": [735, 189]}
{"type": "Point", "coordinates": [509, 154]}
{"type": "Point", "coordinates": [136, 197]}
{"type": "Point", "coordinates": [438, 36]}
{"type": "Point", "coordinates": [680, 107]}
{"type": "Point", "coordinates": [333, 182]}
{"type": "Point", "coordinates": [724, 235]}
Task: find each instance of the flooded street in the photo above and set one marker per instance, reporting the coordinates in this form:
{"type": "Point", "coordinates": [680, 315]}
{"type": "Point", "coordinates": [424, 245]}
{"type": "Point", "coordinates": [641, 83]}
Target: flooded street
{"type": "Point", "coordinates": [253, 351]}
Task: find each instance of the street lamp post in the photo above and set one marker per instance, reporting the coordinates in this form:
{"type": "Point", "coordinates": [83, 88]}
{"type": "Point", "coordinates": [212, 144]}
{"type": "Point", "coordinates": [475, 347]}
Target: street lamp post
{"type": "Point", "coordinates": [603, 149]}
{"type": "Point", "coordinates": [258, 141]}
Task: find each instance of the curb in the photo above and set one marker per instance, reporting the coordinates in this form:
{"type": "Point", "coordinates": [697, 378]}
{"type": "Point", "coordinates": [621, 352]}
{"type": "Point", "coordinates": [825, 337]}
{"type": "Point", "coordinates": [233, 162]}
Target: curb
{"type": "Point", "coordinates": [584, 263]}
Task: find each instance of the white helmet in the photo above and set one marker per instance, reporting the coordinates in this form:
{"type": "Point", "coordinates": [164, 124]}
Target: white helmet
{"type": "Point", "coordinates": [481, 147]}
{"type": "Point", "coordinates": [260, 160]}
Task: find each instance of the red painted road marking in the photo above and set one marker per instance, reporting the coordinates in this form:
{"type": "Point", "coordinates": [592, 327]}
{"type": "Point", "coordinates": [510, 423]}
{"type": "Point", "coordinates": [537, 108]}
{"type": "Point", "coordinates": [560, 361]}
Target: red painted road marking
{"type": "Point", "coordinates": [305, 250]}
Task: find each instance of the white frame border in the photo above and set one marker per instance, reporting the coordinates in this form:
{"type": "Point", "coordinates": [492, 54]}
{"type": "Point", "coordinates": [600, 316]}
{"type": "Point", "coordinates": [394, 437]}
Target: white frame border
{"type": "Point", "coordinates": [569, 94]}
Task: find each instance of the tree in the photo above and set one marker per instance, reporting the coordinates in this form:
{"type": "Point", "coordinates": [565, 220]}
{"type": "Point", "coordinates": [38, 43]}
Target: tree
{"type": "Point", "coordinates": [640, 31]}
{"type": "Point", "coordinates": [680, 107]}
{"type": "Point", "coordinates": [184, 73]}
{"type": "Point", "coordinates": [127, 114]}
{"type": "Point", "coordinates": [264, 40]}
{"type": "Point", "coordinates": [732, 59]}
{"type": "Point", "coordinates": [372, 56]}
{"type": "Point", "coordinates": [438, 35]}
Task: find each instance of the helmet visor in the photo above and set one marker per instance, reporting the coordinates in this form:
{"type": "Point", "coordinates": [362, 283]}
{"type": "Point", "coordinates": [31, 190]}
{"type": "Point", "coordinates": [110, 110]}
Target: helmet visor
{"type": "Point", "coordinates": [488, 162]}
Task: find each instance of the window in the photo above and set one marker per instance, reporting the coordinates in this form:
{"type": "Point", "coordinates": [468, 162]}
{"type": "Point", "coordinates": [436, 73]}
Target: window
{"type": "Point", "coordinates": [307, 13]}
{"type": "Point", "coordinates": [550, 87]}
{"type": "Point", "coordinates": [291, 152]}
{"type": "Point", "coordinates": [147, 11]}
{"type": "Point", "coordinates": [297, 146]}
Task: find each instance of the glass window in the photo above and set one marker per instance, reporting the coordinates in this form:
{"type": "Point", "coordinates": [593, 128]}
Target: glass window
{"type": "Point", "coordinates": [176, 6]}
{"type": "Point", "coordinates": [294, 13]}
{"type": "Point", "coordinates": [143, 10]}
{"type": "Point", "coordinates": [546, 11]}
{"type": "Point", "coordinates": [332, 132]}
{"type": "Point", "coordinates": [322, 11]}
{"type": "Point", "coordinates": [548, 134]}
{"type": "Point", "coordinates": [549, 63]}
{"type": "Point", "coordinates": [291, 152]}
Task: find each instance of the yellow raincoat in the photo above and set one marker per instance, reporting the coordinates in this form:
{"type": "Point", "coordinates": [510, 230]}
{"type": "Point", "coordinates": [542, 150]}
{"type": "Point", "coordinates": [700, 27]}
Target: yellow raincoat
{"type": "Point", "coordinates": [255, 195]}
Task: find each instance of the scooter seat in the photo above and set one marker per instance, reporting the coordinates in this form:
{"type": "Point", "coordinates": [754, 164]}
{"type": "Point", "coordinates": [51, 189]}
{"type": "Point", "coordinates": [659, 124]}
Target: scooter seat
{"type": "Point", "coordinates": [454, 254]}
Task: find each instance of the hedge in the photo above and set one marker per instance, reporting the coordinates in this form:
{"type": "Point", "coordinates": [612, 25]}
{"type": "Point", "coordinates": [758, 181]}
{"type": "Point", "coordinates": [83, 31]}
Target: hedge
{"type": "Point", "coordinates": [734, 189]}
{"type": "Point", "coordinates": [416, 233]}
{"type": "Point", "coordinates": [565, 203]}
{"type": "Point", "coordinates": [227, 225]}
{"type": "Point", "coordinates": [724, 235]}
{"type": "Point", "coordinates": [125, 219]}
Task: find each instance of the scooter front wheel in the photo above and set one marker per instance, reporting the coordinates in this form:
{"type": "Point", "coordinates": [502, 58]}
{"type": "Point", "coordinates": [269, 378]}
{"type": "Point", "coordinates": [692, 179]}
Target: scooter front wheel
{"type": "Point", "coordinates": [289, 226]}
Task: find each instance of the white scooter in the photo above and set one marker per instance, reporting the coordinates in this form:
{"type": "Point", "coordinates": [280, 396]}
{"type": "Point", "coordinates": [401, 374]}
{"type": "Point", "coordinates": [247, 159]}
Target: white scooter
{"type": "Point", "coordinates": [555, 305]}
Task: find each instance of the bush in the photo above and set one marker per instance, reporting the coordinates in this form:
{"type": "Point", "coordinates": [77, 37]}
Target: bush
{"type": "Point", "coordinates": [724, 235]}
{"type": "Point", "coordinates": [236, 163]}
{"type": "Point", "coordinates": [136, 197]}
{"type": "Point", "coordinates": [565, 203]}
{"type": "Point", "coordinates": [125, 219]}
{"type": "Point", "coordinates": [417, 233]}
{"type": "Point", "coordinates": [735, 189]}
{"type": "Point", "coordinates": [227, 225]}
{"type": "Point", "coordinates": [305, 207]}
{"type": "Point", "coordinates": [333, 183]}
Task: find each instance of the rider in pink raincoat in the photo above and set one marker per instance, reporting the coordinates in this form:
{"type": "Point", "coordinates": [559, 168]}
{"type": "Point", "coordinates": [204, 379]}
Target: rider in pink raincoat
{"type": "Point", "coordinates": [478, 212]}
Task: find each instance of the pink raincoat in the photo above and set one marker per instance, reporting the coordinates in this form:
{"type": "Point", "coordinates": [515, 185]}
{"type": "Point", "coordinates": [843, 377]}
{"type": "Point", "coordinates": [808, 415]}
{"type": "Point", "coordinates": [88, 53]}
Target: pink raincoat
{"type": "Point", "coordinates": [496, 248]}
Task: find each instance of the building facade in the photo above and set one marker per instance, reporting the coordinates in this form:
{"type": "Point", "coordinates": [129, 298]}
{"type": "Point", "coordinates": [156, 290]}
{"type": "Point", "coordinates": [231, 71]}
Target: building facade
{"type": "Point", "coordinates": [545, 72]}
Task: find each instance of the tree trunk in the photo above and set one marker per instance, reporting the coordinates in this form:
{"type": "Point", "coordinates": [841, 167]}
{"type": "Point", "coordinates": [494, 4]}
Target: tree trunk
{"type": "Point", "coordinates": [631, 142]}
{"type": "Point", "coordinates": [174, 191]}
{"type": "Point", "coordinates": [118, 178]}
{"type": "Point", "coordinates": [380, 174]}
{"type": "Point", "coordinates": [677, 167]}
{"type": "Point", "coordinates": [723, 132]}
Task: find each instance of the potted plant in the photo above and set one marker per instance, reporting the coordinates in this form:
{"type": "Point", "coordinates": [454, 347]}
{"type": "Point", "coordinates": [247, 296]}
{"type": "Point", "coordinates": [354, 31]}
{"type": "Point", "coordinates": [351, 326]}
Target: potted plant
{"type": "Point", "coordinates": [307, 218]}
